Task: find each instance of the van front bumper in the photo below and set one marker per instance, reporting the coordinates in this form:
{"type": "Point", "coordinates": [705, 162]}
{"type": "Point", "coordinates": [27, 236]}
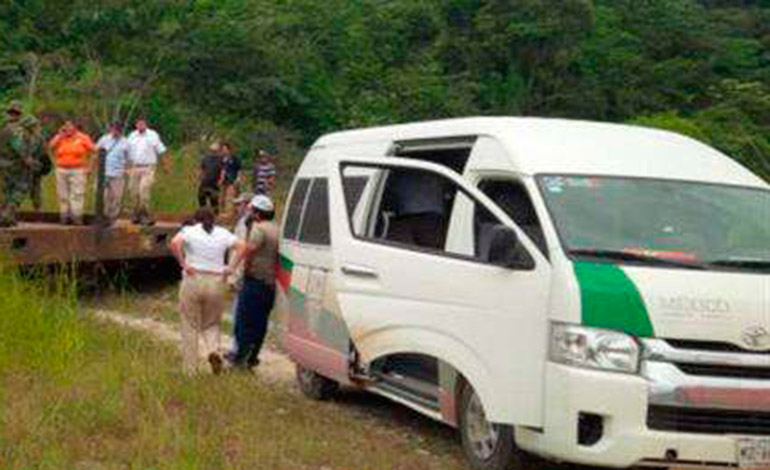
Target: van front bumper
{"type": "Point", "coordinates": [621, 401]}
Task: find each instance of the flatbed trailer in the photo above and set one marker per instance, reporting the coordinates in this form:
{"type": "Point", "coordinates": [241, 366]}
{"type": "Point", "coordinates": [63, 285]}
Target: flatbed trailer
{"type": "Point", "coordinates": [39, 239]}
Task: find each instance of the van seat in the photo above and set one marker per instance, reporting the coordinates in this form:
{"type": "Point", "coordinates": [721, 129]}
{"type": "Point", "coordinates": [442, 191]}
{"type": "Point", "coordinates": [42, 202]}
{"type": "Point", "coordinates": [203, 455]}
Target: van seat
{"type": "Point", "coordinates": [426, 230]}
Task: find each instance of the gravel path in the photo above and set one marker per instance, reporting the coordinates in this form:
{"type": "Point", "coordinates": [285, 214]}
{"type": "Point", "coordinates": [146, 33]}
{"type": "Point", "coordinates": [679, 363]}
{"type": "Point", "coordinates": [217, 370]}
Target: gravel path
{"type": "Point", "coordinates": [274, 366]}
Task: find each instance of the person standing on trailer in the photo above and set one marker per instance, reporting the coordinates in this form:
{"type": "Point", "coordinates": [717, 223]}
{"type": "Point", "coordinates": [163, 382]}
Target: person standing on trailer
{"type": "Point", "coordinates": [201, 250]}
{"type": "Point", "coordinates": [257, 294]}
{"type": "Point", "coordinates": [72, 151]}
{"type": "Point", "coordinates": [230, 181]}
{"type": "Point", "coordinates": [264, 173]}
{"type": "Point", "coordinates": [145, 148]}
{"type": "Point", "coordinates": [38, 163]}
{"type": "Point", "coordinates": [13, 164]}
{"type": "Point", "coordinates": [208, 178]}
{"type": "Point", "coordinates": [115, 147]}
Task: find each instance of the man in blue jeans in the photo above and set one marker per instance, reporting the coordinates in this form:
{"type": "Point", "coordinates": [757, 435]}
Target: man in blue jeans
{"type": "Point", "coordinates": [257, 294]}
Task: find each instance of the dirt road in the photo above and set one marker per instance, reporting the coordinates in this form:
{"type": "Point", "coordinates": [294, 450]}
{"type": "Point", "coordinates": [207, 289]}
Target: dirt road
{"type": "Point", "coordinates": [274, 366]}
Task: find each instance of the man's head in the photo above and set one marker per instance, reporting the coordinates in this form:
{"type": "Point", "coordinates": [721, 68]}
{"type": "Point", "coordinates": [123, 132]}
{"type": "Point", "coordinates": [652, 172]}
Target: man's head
{"type": "Point", "coordinates": [215, 148]}
{"type": "Point", "coordinates": [227, 149]}
{"type": "Point", "coordinates": [262, 207]}
{"type": "Point", "coordinates": [68, 128]}
{"type": "Point", "coordinates": [264, 156]}
{"type": "Point", "coordinates": [116, 129]}
{"type": "Point", "coordinates": [14, 110]}
{"type": "Point", "coordinates": [141, 125]}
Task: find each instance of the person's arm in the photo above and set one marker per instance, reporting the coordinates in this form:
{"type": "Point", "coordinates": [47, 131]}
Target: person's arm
{"type": "Point", "coordinates": [176, 246]}
{"type": "Point", "coordinates": [52, 144]}
{"type": "Point", "coordinates": [92, 163]}
{"type": "Point", "coordinates": [162, 152]}
{"type": "Point", "coordinates": [239, 253]}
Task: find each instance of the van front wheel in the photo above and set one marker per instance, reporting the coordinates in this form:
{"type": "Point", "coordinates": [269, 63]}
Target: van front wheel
{"type": "Point", "coordinates": [487, 446]}
{"type": "Point", "coordinates": [314, 385]}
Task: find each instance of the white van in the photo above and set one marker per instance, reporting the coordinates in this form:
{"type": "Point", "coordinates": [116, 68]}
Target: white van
{"type": "Point", "coordinates": [589, 293]}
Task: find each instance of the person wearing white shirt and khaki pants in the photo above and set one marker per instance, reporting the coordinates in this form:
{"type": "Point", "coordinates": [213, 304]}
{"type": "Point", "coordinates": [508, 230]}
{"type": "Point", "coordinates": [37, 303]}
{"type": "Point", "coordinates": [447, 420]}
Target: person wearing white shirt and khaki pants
{"type": "Point", "coordinates": [201, 249]}
{"type": "Point", "coordinates": [145, 147]}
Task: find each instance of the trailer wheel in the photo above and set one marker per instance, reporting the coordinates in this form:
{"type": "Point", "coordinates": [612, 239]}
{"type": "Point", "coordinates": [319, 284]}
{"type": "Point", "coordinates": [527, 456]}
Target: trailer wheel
{"type": "Point", "coordinates": [487, 446]}
{"type": "Point", "coordinates": [315, 386]}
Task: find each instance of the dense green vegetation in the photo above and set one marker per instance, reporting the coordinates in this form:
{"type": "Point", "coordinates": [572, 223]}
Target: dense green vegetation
{"type": "Point", "coordinates": [262, 72]}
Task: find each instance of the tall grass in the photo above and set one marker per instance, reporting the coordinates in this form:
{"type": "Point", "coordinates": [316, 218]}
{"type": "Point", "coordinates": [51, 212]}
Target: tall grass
{"type": "Point", "coordinates": [40, 325]}
{"type": "Point", "coordinates": [83, 395]}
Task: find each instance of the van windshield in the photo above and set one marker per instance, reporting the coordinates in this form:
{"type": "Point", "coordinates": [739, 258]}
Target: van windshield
{"type": "Point", "coordinates": [661, 222]}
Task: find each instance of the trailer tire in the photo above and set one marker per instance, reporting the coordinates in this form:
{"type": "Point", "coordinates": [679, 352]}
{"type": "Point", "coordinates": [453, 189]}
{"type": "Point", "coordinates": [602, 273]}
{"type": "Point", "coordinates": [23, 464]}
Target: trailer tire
{"type": "Point", "coordinates": [314, 385]}
{"type": "Point", "coordinates": [486, 446]}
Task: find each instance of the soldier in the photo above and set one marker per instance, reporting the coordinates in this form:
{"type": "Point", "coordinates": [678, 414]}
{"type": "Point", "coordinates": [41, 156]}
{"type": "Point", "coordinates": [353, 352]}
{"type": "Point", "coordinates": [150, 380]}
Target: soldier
{"type": "Point", "coordinates": [15, 163]}
{"type": "Point", "coordinates": [40, 164]}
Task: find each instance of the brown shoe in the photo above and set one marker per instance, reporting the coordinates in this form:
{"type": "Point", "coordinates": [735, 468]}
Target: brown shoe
{"type": "Point", "coordinates": [216, 363]}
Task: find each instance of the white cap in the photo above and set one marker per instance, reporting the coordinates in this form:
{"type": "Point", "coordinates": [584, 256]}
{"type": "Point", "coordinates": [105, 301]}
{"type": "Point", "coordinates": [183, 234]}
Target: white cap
{"type": "Point", "coordinates": [262, 203]}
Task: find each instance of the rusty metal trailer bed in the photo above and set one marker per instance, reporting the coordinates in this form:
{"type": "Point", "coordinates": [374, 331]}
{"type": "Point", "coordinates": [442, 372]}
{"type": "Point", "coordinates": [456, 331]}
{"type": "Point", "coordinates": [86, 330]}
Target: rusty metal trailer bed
{"type": "Point", "coordinates": [41, 239]}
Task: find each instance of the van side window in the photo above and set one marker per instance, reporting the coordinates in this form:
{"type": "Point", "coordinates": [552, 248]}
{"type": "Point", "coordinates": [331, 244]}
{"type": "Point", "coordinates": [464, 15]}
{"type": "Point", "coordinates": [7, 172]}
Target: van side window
{"type": "Point", "coordinates": [413, 208]}
{"type": "Point", "coordinates": [451, 152]}
{"type": "Point", "coordinates": [512, 197]}
{"type": "Point", "coordinates": [315, 222]}
{"type": "Point", "coordinates": [294, 211]}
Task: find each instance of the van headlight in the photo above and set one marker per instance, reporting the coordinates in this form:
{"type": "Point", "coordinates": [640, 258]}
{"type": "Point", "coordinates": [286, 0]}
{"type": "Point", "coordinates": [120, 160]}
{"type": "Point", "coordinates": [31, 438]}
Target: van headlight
{"type": "Point", "coordinates": [594, 348]}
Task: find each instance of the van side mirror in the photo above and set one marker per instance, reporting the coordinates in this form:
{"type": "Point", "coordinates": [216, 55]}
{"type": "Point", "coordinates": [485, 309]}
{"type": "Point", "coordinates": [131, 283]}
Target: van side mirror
{"type": "Point", "coordinates": [506, 251]}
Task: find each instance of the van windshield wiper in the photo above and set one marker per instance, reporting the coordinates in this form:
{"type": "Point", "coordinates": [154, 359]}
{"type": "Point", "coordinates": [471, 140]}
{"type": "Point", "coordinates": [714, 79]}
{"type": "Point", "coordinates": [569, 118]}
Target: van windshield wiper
{"type": "Point", "coordinates": [631, 256]}
{"type": "Point", "coordinates": [754, 264]}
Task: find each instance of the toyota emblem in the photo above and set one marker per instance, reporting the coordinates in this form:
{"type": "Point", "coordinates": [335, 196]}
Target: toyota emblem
{"type": "Point", "coordinates": [756, 338]}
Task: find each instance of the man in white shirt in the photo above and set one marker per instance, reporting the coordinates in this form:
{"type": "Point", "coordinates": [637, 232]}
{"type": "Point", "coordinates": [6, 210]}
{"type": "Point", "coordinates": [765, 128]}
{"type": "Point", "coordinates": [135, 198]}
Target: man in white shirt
{"type": "Point", "coordinates": [145, 147]}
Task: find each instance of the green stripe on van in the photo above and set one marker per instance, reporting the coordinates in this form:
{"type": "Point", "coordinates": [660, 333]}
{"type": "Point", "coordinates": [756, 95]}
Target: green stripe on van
{"type": "Point", "coordinates": [611, 300]}
{"type": "Point", "coordinates": [286, 263]}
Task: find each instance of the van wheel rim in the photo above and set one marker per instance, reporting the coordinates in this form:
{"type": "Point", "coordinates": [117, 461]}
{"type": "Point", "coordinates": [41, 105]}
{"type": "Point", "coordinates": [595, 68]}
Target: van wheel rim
{"type": "Point", "coordinates": [482, 435]}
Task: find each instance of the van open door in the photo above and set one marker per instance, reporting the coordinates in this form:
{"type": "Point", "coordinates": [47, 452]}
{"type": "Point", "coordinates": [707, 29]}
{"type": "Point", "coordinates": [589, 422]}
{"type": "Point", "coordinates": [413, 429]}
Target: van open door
{"type": "Point", "coordinates": [425, 264]}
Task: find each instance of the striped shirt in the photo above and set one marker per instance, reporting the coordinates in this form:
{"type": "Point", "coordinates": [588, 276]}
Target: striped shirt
{"type": "Point", "coordinates": [264, 177]}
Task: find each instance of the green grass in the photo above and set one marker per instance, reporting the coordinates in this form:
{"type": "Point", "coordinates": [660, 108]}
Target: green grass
{"type": "Point", "coordinates": [78, 394]}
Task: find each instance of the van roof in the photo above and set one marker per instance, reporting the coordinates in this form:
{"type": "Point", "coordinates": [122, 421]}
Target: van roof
{"type": "Point", "coordinates": [562, 146]}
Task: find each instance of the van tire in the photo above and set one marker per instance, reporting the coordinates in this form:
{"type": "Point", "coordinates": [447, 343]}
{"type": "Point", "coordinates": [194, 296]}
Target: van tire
{"type": "Point", "coordinates": [486, 446]}
{"type": "Point", "coordinates": [314, 385]}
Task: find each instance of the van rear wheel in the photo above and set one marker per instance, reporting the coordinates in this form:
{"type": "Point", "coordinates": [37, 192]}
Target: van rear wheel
{"type": "Point", "coordinates": [487, 446]}
{"type": "Point", "coordinates": [314, 385]}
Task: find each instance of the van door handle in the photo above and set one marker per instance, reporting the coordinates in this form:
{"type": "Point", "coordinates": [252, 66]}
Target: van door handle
{"type": "Point", "coordinates": [359, 271]}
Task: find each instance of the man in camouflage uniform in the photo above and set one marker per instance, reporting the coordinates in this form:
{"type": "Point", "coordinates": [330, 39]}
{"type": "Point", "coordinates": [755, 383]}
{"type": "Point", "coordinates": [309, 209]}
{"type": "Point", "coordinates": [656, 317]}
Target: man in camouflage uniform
{"type": "Point", "coordinates": [39, 164]}
{"type": "Point", "coordinates": [16, 162]}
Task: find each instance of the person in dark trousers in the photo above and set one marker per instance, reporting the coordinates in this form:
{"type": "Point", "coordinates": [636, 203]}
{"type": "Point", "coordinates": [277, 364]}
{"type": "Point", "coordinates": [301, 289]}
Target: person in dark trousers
{"type": "Point", "coordinates": [230, 181]}
{"type": "Point", "coordinates": [257, 294]}
{"type": "Point", "coordinates": [208, 180]}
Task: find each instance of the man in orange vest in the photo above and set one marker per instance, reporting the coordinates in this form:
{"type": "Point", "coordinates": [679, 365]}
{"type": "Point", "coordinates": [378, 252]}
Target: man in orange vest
{"type": "Point", "coordinates": [72, 151]}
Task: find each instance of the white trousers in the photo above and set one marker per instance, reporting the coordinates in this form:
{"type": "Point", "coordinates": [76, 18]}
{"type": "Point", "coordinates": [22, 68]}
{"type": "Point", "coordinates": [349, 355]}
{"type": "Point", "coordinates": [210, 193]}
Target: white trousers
{"type": "Point", "coordinates": [140, 181]}
{"type": "Point", "coordinates": [113, 196]}
{"type": "Point", "coordinates": [201, 304]}
{"type": "Point", "coordinates": [71, 191]}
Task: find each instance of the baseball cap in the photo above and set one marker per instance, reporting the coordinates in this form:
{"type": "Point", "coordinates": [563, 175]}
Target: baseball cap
{"type": "Point", "coordinates": [243, 197]}
{"type": "Point", "coordinates": [262, 203]}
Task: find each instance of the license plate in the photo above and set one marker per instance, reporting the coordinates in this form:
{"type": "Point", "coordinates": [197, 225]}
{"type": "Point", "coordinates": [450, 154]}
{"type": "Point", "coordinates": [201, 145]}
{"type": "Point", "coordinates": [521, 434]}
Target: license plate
{"type": "Point", "coordinates": [754, 453]}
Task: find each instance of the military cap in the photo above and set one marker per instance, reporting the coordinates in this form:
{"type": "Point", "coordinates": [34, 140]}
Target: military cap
{"type": "Point", "coordinates": [14, 106]}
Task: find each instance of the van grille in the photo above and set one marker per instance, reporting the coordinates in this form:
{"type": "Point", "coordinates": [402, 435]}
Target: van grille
{"type": "Point", "coordinates": [708, 421]}
{"type": "Point", "coordinates": [716, 346]}
{"type": "Point", "coordinates": [710, 370]}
